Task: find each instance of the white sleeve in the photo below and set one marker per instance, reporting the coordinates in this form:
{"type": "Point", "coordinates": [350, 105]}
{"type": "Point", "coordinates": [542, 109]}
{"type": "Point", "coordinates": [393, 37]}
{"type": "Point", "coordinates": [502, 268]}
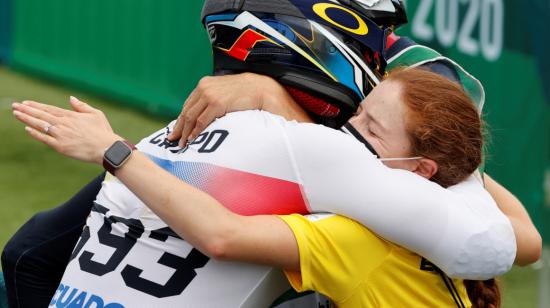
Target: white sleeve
{"type": "Point", "coordinates": [459, 229]}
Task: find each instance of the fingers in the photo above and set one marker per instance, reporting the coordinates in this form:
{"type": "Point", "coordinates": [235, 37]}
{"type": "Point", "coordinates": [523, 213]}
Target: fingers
{"type": "Point", "coordinates": [211, 99]}
{"type": "Point", "coordinates": [36, 127]}
{"type": "Point", "coordinates": [180, 123]}
{"type": "Point", "coordinates": [46, 139]}
{"type": "Point", "coordinates": [81, 106]}
{"type": "Point", "coordinates": [77, 105]}
{"type": "Point", "coordinates": [34, 117]}
{"type": "Point", "coordinates": [53, 110]}
{"type": "Point", "coordinates": [211, 113]}
{"type": "Point", "coordinates": [199, 127]}
{"type": "Point", "coordinates": [175, 134]}
{"type": "Point", "coordinates": [190, 119]}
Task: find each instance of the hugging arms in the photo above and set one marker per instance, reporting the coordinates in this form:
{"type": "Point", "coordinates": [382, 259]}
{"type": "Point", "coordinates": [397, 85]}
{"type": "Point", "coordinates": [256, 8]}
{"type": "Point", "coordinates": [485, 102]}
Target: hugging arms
{"type": "Point", "coordinates": [172, 219]}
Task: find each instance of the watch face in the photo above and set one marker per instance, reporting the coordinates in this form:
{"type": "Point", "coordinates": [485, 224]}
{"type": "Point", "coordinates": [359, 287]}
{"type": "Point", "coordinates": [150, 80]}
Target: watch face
{"type": "Point", "coordinates": [117, 153]}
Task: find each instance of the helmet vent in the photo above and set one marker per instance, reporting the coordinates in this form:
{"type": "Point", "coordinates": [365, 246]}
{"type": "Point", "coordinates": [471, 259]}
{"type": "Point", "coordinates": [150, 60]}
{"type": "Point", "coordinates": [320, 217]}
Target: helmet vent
{"type": "Point", "coordinates": [269, 51]}
{"type": "Point", "coordinates": [313, 104]}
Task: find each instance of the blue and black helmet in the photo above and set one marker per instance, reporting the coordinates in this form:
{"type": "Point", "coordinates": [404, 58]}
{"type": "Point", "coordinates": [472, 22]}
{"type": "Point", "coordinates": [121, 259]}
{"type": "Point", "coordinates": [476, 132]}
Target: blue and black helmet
{"type": "Point", "coordinates": [326, 53]}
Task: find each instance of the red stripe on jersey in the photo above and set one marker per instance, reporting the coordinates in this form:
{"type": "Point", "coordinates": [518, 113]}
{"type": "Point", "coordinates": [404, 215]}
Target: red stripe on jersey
{"type": "Point", "coordinates": [252, 194]}
{"type": "Point", "coordinates": [242, 192]}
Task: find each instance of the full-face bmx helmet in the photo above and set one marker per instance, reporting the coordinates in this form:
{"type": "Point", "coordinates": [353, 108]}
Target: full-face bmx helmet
{"type": "Point", "coordinates": [327, 53]}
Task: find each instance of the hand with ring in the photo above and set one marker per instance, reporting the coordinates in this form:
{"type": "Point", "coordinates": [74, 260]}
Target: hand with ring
{"type": "Point", "coordinates": [82, 133]}
{"type": "Point", "coordinates": [47, 128]}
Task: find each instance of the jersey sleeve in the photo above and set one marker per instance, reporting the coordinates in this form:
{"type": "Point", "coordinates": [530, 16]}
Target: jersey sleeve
{"type": "Point", "coordinates": [459, 229]}
{"type": "Point", "coordinates": [336, 254]}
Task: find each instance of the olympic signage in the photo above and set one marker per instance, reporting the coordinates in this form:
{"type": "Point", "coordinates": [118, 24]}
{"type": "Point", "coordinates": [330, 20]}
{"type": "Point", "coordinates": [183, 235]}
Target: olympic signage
{"type": "Point", "coordinates": [453, 23]}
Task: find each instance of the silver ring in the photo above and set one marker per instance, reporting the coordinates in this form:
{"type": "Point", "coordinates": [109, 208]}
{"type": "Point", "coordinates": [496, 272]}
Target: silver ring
{"type": "Point", "coordinates": [47, 128]}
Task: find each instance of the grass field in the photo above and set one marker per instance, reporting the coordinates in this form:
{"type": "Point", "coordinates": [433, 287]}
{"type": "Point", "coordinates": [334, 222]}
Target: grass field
{"type": "Point", "coordinates": [34, 178]}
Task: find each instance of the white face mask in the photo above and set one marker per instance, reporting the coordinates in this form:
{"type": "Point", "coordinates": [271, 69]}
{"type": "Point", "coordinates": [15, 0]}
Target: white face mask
{"type": "Point", "coordinates": [400, 158]}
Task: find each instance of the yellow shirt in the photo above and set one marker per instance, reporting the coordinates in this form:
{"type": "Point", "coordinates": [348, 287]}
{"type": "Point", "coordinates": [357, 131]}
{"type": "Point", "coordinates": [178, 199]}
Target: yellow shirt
{"type": "Point", "coordinates": [355, 268]}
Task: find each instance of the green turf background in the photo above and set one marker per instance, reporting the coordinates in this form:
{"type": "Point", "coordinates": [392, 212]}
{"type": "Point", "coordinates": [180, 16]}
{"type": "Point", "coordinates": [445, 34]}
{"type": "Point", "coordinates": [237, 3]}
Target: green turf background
{"type": "Point", "coordinates": [32, 178]}
{"type": "Point", "coordinates": [147, 54]}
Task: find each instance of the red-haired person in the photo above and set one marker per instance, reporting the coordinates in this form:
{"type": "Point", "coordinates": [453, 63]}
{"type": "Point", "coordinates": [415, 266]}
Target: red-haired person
{"type": "Point", "coordinates": [416, 122]}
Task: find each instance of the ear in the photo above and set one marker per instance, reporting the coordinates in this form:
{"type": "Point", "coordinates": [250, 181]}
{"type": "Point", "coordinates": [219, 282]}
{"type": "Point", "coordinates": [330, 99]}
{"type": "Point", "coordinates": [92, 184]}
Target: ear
{"type": "Point", "coordinates": [426, 168]}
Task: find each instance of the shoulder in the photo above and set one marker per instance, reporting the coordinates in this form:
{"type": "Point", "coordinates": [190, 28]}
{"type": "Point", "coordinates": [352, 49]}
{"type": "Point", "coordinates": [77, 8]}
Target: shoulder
{"type": "Point", "coordinates": [307, 138]}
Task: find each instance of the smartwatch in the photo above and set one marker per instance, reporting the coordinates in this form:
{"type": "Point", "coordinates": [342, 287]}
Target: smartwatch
{"type": "Point", "coordinates": [116, 155]}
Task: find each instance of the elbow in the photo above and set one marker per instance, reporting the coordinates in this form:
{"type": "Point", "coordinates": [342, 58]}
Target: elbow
{"type": "Point", "coordinates": [223, 242]}
{"type": "Point", "coordinates": [484, 255]}
{"type": "Point", "coordinates": [530, 252]}
{"type": "Point", "coordinates": [218, 248]}
{"type": "Point", "coordinates": [535, 254]}
{"type": "Point", "coordinates": [528, 242]}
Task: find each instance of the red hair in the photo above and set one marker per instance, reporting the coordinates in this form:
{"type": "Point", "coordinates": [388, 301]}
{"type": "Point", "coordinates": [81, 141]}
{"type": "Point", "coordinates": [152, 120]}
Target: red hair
{"type": "Point", "coordinates": [444, 125]}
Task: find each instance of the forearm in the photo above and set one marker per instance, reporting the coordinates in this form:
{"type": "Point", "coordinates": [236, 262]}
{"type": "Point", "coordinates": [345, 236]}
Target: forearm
{"type": "Point", "coordinates": [528, 239]}
{"type": "Point", "coordinates": [445, 226]}
{"type": "Point", "coordinates": [203, 222]}
{"type": "Point", "coordinates": [85, 133]}
{"type": "Point", "coordinates": [187, 210]}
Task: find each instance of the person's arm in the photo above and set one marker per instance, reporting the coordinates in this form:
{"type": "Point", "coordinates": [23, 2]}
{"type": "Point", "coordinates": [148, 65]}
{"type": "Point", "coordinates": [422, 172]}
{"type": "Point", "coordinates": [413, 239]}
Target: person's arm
{"type": "Point", "coordinates": [271, 96]}
{"type": "Point", "coordinates": [459, 229]}
{"type": "Point", "coordinates": [194, 215]}
{"type": "Point", "coordinates": [204, 222]}
{"type": "Point", "coordinates": [528, 239]}
{"type": "Point", "coordinates": [215, 96]}
{"type": "Point", "coordinates": [460, 232]}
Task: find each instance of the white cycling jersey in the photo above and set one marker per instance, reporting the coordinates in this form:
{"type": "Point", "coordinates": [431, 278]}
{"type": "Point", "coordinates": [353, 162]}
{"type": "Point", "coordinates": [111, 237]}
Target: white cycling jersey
{"type": "Point", "coordinates": [254, 162]}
